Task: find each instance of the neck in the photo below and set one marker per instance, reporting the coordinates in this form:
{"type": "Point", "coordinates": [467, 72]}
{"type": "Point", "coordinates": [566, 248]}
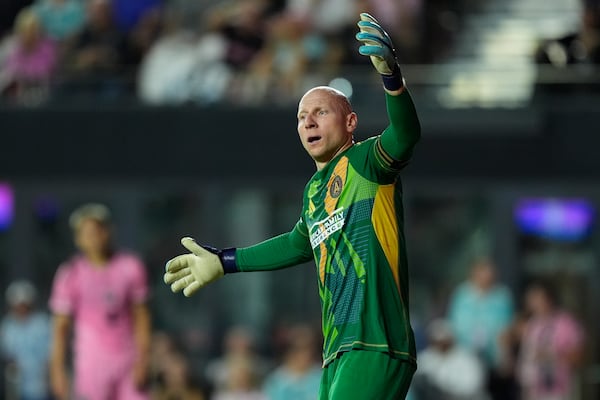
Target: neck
{"type": "Point", "coordinates": [321, 164]}
{"type": "Point", "coordinates": [98, 259]}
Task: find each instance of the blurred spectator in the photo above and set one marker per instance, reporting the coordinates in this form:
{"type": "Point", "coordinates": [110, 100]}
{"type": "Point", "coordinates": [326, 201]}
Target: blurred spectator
{"type": "Point", "coordinates": [299, 376]}
{"type": "Point", "coordinates": [578, 47]}
{"type": "Point", "coordinates": [402, 19]}
{"type": "Point", "coordinates": [480, 310]}
{"type": "Point", "coordinates": [334, 22]}
{"type": "Point", "coordinates": [330, 17]}
{"type": "Point", "coordinates": [101, 294]}
{"type": "Point", "coordinates": [446, 370]}
{"type": "Point", "coordinates": [8, 11]}
{"type": "Point", "coordinates": [241, 24]}
{"type": "Point", "coordinates": [280, 68]}
{"type": "Point", "coordinates": [143, 35]}
{"type": "Point", "coordinates": [94, 63]}
{"type": "Point", "coordinates": [239, 353]}
{"type": "Point", "coordinates": [566, 55]}
{"type": "Point", "coordinates": [510, 343]}
{"type": "Point", "coordinates": [24, 342]}
{"type": "Point", "coordinates": [161, 347]}
{"type": "Point", "coordinates": [182, 67]}
{"type": "Point", "coordinates": [174, 380]}
{"type": "Point", "coordinates": [129, 13]}
{"type": "Point", "coordinates": [551, 348]}
{"type": "Point", "coordinates": [61, 19]}
{"type": "Point", "coordinates": [31, 61]}
{"type": "Point", "coordinates": [243, 382]}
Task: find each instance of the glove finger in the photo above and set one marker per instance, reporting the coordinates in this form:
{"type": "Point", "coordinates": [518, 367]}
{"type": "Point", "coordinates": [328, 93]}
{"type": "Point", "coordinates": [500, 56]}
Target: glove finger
{"type": "Point", "coordinates": [369, 26]}
{"type": "Point", "coordinates": [374, 36]}
{"type": "Point", "coordinates": [372, 51]}
{"type": "Point", "coordinates": [182, 283]}
{"type": "Point", "coordinates": [177, 263]}
{"type": "Point", "coordinates": [368, 17]}
{"type": "Point", "coordinates": [171, 277]}
{"type": "Point", "coordinates": [191, 289]}
{"type": "Point", "coordinates": [190, 244]}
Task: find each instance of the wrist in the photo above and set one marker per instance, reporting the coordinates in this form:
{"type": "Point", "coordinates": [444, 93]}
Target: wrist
{"type": "Point", "coordinates": [394, 81]}
{"type": "Point", "coordinates": [227, 257]}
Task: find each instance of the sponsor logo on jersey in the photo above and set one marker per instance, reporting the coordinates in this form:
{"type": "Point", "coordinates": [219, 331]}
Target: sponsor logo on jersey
{"type": "Point", "coordinates": [321, 230]}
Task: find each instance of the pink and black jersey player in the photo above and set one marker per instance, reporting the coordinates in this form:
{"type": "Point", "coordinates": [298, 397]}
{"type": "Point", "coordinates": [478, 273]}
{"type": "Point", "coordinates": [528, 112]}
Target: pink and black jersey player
{"type": "Point", "coordinates": [101, 295]}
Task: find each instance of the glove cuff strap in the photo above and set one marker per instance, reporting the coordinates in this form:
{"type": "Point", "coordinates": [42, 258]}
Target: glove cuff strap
{"type": "Point", "coordinates": [227, 257]}
{"type": "Point", "coordinates": [394, 81]}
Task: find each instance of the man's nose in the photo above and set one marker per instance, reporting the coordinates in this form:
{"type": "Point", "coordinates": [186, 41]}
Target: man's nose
{"type": "Point", "coordinates": [309, 122]}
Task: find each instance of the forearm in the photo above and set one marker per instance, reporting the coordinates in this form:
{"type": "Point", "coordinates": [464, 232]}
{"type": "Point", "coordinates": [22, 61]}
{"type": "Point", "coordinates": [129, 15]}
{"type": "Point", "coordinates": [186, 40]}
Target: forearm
{"type": "Point", "coordinates": [282, 251]}
{"type": "Point", "coordinates": [59, 344]}
{"type": "Point", "coordinates": [142, 328]}
{"type": "Point", "coordinates": [57, 363]}
{"type": "Point", "coordinates": [404, 129]}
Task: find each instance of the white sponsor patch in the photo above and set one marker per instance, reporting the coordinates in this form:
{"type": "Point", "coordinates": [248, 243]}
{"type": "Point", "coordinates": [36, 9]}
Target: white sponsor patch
{"type": "Point", "coordinates": [321, 230]}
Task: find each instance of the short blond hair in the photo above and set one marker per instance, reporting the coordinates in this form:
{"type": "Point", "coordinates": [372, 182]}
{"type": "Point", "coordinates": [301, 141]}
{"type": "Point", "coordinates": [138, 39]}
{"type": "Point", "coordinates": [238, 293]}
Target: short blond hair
{"type": "Point", "coordinates": [94, 211]}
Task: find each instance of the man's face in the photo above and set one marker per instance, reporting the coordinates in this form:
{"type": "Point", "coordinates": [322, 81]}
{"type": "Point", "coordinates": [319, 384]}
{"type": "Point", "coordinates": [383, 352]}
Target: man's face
{"type": "Point", "coordinates": [92, 237]}
{"type": "Point", "coordinates": [323, 124]}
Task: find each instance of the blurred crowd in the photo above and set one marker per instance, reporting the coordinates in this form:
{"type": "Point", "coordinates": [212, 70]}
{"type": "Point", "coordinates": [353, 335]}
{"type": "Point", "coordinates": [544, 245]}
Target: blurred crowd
{"type": "Point", "coordinates": [173, 52]}
{"type": "Point", "coordinates": [289, 370]}
{"type": "Point", "coordinates": [489, 343]}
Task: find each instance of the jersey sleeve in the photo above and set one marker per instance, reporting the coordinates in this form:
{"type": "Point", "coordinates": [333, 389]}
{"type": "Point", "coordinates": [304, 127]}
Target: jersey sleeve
{"type": "Point", "coordinates": [393, 148]}
{"type": "Point", "coordinates": [286, 250]}
{"type": "Point", "coordinates": [62, 298]}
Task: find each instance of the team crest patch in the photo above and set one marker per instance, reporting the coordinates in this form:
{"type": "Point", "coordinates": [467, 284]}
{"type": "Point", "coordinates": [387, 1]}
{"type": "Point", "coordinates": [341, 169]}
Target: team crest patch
{"type": "Point", "coordinates": [336, 187]}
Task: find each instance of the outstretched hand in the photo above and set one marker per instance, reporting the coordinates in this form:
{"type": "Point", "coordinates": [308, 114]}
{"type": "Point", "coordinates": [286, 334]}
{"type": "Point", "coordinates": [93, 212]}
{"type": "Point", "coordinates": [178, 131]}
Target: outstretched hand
{"type": "Point", "coordinates": [191, 272]}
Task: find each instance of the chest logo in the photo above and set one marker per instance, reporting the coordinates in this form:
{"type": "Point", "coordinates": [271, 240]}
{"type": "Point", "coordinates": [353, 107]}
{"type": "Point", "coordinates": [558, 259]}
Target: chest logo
{"type": "Point", "coordinates": [335, 189]}
{"type": "Point", "coordinates": [321, 230]}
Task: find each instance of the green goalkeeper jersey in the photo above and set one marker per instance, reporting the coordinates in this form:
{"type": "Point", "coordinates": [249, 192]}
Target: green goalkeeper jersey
{"type": "Point", "coordinates": [352, 224]}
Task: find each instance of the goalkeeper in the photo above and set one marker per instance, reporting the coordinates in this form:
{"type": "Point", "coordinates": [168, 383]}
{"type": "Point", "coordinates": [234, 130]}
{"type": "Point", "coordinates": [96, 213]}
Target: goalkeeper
{"type": "Point", "coordinates": [352, 225]}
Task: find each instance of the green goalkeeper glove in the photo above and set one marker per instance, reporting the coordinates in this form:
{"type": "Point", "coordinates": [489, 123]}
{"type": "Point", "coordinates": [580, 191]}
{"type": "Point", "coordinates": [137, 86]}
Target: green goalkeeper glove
{"type": "Point", "coordinates": [377, 44]}
{"type": "Point", "coordinates": [191, 272]}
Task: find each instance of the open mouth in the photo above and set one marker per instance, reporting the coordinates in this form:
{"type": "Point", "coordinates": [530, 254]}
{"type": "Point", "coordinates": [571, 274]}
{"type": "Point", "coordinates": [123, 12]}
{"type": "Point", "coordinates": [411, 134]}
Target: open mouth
{"type": "Point", "coordinates": [313, 139]}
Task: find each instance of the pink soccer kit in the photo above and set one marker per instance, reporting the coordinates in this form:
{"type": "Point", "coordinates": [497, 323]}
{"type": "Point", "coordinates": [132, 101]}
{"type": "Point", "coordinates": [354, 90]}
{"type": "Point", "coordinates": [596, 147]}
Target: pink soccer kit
{"type": "Point", "coordinates": [544, 371]}
{"type": "Point", "coordinates": [99, 301]}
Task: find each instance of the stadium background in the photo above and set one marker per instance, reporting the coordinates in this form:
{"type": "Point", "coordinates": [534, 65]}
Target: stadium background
{"type": "Point", "coordinates": [500, 128]}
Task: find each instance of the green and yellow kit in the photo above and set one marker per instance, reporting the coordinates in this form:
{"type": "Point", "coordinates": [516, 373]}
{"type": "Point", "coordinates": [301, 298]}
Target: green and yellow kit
{"type": "Point", "coordinates": [352, 225]}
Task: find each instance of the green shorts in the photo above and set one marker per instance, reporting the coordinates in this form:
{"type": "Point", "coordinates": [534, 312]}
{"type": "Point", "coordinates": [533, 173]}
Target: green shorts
{"type": "Point", "coordinates": [366, 375]}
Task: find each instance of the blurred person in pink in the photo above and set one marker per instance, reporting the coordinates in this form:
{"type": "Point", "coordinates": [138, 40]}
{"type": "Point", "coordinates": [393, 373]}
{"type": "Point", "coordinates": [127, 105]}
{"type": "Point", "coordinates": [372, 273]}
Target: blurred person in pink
{"type": "Point", "coordinates": [101, 294]}
{"type": "Point", "coordinates": [32, 60]}
{"type": "Point", "coordinates": [551, 347]}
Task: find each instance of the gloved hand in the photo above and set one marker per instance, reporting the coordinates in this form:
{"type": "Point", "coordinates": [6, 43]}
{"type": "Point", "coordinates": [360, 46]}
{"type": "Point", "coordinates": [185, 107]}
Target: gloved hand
{"type": "Point", "coordinates": [377, 44]}
{"type": "Point", "coordinates": [190, 272]}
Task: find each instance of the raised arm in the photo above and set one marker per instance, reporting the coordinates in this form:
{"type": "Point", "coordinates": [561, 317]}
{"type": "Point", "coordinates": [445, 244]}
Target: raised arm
{"type": "Point", "coordinates": [397, 141]}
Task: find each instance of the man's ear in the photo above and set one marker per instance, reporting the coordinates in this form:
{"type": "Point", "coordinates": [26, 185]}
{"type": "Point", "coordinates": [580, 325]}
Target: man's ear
{"type": "Point", "coordinates": [351, 121]}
